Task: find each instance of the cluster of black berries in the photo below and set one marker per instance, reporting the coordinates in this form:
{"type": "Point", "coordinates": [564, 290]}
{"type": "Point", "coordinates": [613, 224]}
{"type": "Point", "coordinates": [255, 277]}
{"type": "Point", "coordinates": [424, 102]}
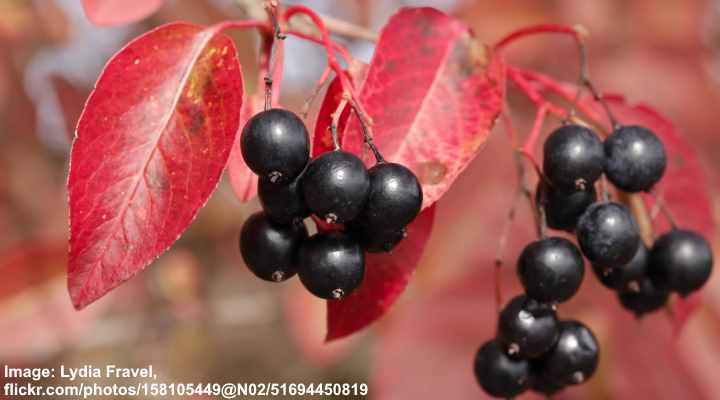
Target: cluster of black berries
{"type": "Point", "coordinates": [533, 349]}
{"type": "Point", "coordinates": [374, 207]}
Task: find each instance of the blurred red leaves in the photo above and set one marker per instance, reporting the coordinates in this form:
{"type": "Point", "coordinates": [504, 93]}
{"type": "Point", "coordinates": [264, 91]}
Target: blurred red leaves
{"type": "Point", "coordinates": [119, 12]}
{"type": "Point", "coordinates": [151, 145]}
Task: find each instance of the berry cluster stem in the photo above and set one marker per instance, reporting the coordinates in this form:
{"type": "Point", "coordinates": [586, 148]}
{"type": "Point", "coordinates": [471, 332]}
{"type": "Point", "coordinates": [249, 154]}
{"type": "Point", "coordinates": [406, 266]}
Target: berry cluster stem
{"type": "Point", "coordinates": [276, 56]}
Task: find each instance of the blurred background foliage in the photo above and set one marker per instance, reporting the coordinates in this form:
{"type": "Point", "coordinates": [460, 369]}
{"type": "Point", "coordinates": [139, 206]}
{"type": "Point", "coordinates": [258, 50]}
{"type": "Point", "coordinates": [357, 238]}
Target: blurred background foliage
{"type": "Point", "coordinates": [198, 316]}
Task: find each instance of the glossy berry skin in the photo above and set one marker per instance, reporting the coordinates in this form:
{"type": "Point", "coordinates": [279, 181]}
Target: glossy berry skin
{"type": "Point", "coordinates": [628, 276]}
{"type": "Point", "coordinates": [635, 158]}
{"type": "Point", "coordinates": [499, 374]}
{"type": "Point", "coordinates": [283, 202]}
{"type": "Point", "coordinates": [336, 186]}
{"type": "Point", "coordinates": [270, 250]}
{"type": "Point", "coordinates": [644, 298]}
{"type": "Point", "coordinates": [527, 328]}
{"type": "Point", "coordinates": [563, 208]}
{"type": "Point", "coordinates": [376, 241]}
{"type": "Point", "coordinates": [681, 261]}
{"type": "Point", "coordinates": [608, 234]}
{"type": "Point", "coordinates": [573, 157]}
{"type": "Point", "coordinates": [574, 358]}
{"type": "Point", "coordinates": [332, 264]}
{"type": "Point", "coordinates": [541, 383]}
{"type": "Point", "coordinates": [395, 198]}
{"type": "Point", "coordinates": [275, 145]}
{"type": "Point", "coordinates": [551, 270]}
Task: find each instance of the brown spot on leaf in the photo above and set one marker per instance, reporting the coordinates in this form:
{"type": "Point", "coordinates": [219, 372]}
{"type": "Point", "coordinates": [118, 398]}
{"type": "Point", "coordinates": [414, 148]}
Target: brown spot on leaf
{"type": "Point", "coordinates": [431, 172]}
{"type": "Point", "coordinates": [197, 120]}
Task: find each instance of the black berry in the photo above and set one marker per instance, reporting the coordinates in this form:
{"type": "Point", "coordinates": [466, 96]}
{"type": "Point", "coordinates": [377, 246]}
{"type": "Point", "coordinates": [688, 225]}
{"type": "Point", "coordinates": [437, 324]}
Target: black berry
{"type": "Point", "coordinates": [275, 145]}
{"type": "Point", "coordinates": [336, 186]}
{"type": "Point", "coordinates": [499, 374]}
{"type": "Point", "coordinates": [681, 260]}
{"type": "Point", "coordinates": [527, 328]}
{"type": "Point", "coordinates": [563, 208]}
{"type": "Point", "coordinates": [270, 250]}
{"type": "Point", "coordinates": [551, 270]}
{"type": "Point", "coordinates": [574, 358]}
{"type": "Point", "coordinates": [541, 383]}
{"type": "Point", "coordinates": [395, 198]}
{"type": "Point", "coordinates": [626, 276]}
{"type": "Point", "coordinates": [283, 202]}
{"type": "Point", "coordinates": [635, 158]}
{"type": "Point", "coordinates": [644, 298]}
{"type": "Point", "coordinates": [573, 157]}
{"type": "Point", "coordinates": [376, 241]}
{"type": "Point", "coordinates": [332, 264]}
{"type": "Point", "coordinates": [608, 234]}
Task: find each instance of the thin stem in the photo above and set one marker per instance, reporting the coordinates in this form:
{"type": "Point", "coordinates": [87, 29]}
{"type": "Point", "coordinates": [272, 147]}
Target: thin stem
{"type": "Point", "coordinates": [660, 202]}
{"type": "Point", "coordinates": [604, 192]}
{"type": "Point", "coordinates": [331, 59]}
{"type": "Point", "coordinates": [336, 121]}
{"type": "Point", "coordinates": [533, 94]}
{"type": "Point", "coordinates": [536, 30]}
{"type": "Point", "coordinates": [542, 225]}
{"type": "Point", "coordinates": [368, 136]}
{"type": "Point", "coordinates": [578, 36]}
{"type": "Point", "coordinates": [316, 91]}
{"type": "Point", "coordinates": [587, 83]}
{"type": "Point", "coordinates": [344, 53]}
{"type": "Point", "coordinates": [502, 244]}
{"type": "Point", "coordinates": [276, 52]}
{"type": "Point", "coordinates": [565, 91]}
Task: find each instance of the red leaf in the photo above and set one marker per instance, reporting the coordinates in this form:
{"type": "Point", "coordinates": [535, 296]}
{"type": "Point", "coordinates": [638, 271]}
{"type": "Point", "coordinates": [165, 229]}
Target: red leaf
{"type": "Point", "coordinates": [386, 276]}
{"type": "Point", "coordinates": [151, 145]}
{"type": "Point", "coordinates": [119, 12]}
{"type": "Point", "coordinates": [242, 180]}
{"type": "Point", "coordinates": [433, 93]}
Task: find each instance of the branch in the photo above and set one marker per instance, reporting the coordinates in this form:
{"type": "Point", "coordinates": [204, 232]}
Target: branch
{"type": "Point", "coordinates": [254, 9]}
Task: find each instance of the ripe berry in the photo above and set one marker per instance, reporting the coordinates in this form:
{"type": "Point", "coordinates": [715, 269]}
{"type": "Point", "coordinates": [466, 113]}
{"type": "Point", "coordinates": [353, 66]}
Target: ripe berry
{"type": "Point", "coordinates": [628, 276]}
{"type": "Point", "coordinates": [395, 198]}
{"type": "Point", "coordinates": [283, 202]}
{"type": "Point", "coordinates": [541, 383]}
{"type": "Point", "coordinates": [275, 145]}
{"type": "Point", "coordinates": [574, 358]}
{"type": "Point", "coordinates": [270, 250]}
{"type": "Point", "coordinates": [527, 328]}
{"type": "Point", "coordinates": [635, 158]}
{"type": "Point", "coordinates": [499, 374]}
{"type": "Point", "coordinates": [563, 208]}
{"type": "Point", "coordinates": [336, 186]}
{"type": "Point", "coordinates": [551, 269]}
{"type": "Point", "coordinates": [573, 157]}
{"type": "Point", "coordinates": [608, 234]}
{"type": "Point", "coordinates": [376, 241]}
{"type": "Point", "coordinates": [332, 264]}
{"type": "Point", "coordinates": [644, 298]}
{"type": "Point", "coordinates": [681, 260]}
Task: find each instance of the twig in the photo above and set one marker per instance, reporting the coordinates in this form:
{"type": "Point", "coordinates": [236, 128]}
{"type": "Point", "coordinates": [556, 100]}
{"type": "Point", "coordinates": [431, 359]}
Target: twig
{"type": "Point", "coordinates": [276, 53]}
